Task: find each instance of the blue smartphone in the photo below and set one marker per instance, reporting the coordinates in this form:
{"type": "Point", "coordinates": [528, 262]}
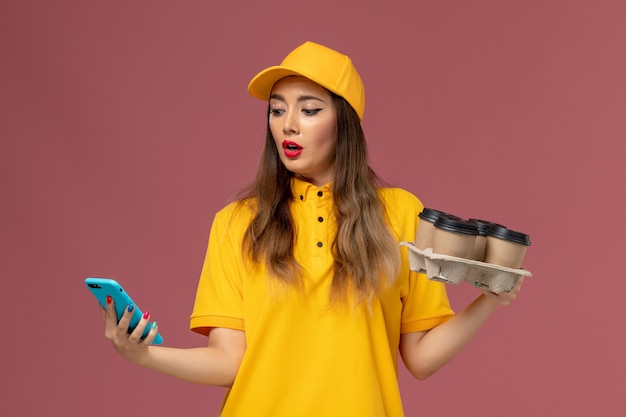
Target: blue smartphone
{"type": "Point", "coordinates": [101, 287]}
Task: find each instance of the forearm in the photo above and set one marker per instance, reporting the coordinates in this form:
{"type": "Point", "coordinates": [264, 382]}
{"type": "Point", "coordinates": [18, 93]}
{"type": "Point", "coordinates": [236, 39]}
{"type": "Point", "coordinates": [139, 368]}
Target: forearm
{"type": "Point", "coordinates": [440, 345]}
{"type": "Point", "coordinates": [215, 364]}
{"type": "Point", "coordinates": [202, 365]}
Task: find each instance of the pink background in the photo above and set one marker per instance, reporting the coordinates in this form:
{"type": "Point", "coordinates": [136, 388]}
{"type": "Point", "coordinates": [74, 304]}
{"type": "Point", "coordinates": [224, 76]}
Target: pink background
{"type": "Point", "coordinates": [125, 125]}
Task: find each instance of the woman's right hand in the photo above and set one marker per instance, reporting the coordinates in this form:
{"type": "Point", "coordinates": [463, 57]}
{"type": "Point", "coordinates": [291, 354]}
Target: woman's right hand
{"type": "Point", "coordinates": [214, 364]}
{"type": "Point", "coordinates": [128, 345]}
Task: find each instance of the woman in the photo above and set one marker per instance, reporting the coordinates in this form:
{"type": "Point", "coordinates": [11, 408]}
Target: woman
{"type": "Point", "coordinates": [305, 295]}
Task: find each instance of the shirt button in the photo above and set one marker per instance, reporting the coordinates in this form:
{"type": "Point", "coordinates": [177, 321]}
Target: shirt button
{"type": "Point", "coordinates": [320, 219]}
{"type": "Point", "coordinates": [320, 244]}
{"type": "Point", "coordinates": [319, 193]}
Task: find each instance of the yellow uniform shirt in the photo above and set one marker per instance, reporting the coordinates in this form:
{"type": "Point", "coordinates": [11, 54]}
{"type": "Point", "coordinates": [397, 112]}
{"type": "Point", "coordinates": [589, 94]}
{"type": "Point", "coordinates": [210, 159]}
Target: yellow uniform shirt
{"type": "Point", "coordinates": [304, 358]}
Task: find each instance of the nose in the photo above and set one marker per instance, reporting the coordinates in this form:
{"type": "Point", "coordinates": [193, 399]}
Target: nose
{"type": "Point", "coordinates": [290, 123]}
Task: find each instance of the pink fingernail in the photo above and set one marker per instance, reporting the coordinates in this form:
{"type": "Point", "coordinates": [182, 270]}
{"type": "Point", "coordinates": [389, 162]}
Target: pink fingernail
{"type": "Point", "coordinates": [146, 314]}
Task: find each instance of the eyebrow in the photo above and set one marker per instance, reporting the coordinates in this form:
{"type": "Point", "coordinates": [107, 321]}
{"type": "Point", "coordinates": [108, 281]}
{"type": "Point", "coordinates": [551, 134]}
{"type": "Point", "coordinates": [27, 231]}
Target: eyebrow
{"type": "Point", "coordinates": [300, 98]}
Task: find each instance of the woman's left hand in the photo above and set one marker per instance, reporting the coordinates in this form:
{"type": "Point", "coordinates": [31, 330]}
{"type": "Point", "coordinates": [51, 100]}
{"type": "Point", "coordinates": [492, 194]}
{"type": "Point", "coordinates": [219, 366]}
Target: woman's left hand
{"type": "Point", "coordinates": [505, 298]}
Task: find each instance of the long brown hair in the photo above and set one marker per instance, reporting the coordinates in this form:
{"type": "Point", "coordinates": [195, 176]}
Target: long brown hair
{"type": "Point", "coordinates": [366, 254]}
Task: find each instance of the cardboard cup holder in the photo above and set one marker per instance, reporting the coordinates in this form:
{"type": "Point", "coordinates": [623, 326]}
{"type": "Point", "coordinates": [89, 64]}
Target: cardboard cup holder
{"type": "Point", "coordinates": [453, 270]}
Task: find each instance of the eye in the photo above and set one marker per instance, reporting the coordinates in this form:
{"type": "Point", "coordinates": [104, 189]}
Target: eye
{"type": "Point", "coordinates": [276, 112]}
{"type": "Point", "coordinates": [311, 112]}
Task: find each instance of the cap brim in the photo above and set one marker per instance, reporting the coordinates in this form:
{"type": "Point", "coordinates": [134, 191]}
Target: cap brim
{"type": "Point", "coordinates": [261, 85]}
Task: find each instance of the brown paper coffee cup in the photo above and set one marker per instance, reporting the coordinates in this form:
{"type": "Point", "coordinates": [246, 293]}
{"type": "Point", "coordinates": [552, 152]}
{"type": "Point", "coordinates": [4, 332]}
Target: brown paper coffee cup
{"type": "Point", "coordinates": [454, 236]}
{"type": "Point", "coordinates": [426, 228]}
{"type": "Point", "coordinates": [506, 247]}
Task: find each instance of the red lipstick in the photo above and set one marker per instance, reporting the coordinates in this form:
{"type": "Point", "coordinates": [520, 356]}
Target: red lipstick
{"type": "Point", "coordinates": [291, 149]}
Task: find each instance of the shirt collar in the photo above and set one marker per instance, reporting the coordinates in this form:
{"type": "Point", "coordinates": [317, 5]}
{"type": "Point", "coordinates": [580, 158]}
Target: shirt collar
{"type": "Point", "coordinates": [303, 190]}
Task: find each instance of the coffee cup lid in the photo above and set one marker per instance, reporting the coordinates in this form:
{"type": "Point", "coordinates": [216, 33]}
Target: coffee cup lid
{"type": "Point", "coordinates": [457, 225]}
{"type": "Point", "coordinates": [484, 225]}
{"type": "Point", "coordinates": [504, 233]}
{"type": "Point", "coordinates": [430, 215]}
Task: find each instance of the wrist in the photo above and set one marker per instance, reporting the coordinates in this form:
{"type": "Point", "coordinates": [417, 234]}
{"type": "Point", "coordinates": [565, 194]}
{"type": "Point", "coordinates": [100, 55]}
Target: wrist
{"type": "Point", "coordinates": [137, 357]}
{"type": "Point", "coordinates": [487, 302]}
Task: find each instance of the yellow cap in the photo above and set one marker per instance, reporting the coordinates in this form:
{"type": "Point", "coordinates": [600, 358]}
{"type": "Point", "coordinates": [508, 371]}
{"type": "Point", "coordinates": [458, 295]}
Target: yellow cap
{"type": "Point", "coordinates": [328, 68]}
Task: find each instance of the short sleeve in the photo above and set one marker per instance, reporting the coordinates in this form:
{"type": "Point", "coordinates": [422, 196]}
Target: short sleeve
{"type": "Point", "coordinates": [425, 306]}
{"type": "Point", "coordinates": [219, 300]}
{"type": "Point", "coordinates": [425, 302]}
